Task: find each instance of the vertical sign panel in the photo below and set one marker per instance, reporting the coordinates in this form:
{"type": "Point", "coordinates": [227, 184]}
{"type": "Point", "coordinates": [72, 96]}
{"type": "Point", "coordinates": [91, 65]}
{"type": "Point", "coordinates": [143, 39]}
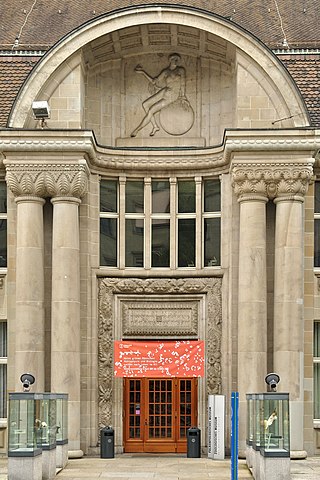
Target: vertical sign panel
{"type": "Point", "coordinates": [216, 413]}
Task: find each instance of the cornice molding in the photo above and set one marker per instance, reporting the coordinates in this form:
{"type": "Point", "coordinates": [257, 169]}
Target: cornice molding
{"type": "Point", "coordinates": [15, 143]}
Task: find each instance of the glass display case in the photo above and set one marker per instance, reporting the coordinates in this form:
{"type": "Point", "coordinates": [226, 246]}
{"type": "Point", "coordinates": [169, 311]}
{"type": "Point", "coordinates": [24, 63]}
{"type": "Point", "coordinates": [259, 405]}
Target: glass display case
{"type": "Point", "coordinates": [24, 412]}
{"type": "Point", "coordinates": [62, 418]}
{"type": "Point", "coordinates": [274, 424]}
{"type": "Point", "coordinates": [47, 422]}
{"type": "Point", "coordinates": [250, 418]}
{"type": "Point", "coordinates": [255, 408]}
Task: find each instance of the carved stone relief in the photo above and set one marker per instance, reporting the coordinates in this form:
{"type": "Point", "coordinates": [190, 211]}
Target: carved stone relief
{"type": "Point", "coordinates": [111, 288]}
{"type": "Point", "coordinates": [158, 318]}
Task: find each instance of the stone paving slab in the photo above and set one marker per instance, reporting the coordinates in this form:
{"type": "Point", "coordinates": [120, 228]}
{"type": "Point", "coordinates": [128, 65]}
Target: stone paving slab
{"type": "Point", "coordinates": [166, 467]}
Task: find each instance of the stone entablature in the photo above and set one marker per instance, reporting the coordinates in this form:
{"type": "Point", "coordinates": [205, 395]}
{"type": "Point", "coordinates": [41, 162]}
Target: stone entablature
{"type": "Point", "coordinates": [296, 147]}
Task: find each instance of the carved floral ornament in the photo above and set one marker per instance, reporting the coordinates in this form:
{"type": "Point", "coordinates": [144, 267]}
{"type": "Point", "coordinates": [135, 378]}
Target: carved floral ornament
{"type": "Point", "coordinates": [271, 180]}
{"type": "Point", "coordinates": [58, 180]}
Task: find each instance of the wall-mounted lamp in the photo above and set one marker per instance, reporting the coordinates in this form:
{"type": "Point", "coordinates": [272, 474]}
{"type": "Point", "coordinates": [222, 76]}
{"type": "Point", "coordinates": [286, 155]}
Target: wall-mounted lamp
{"type": "Point", "coordinates": [41, 111]}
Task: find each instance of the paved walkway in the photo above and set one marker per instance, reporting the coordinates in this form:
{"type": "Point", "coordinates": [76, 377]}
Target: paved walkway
{"type": "Point", "coordinates": [166, 467]}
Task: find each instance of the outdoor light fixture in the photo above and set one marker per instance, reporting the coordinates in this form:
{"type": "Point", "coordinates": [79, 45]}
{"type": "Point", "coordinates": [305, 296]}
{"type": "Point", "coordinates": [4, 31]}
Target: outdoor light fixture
{"type": "Point", "coordinates": [272, 380]}
{"type": "Point", "coordinates": [27, 379]}
{"type": "Point", "coordinates": [41, 111]}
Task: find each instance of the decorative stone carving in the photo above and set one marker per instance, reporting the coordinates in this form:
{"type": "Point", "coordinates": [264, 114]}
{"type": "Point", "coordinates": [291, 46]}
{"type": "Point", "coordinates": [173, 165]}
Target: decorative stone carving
{"type": "Point", "coordinates": [160, 318]}
{"type": "Point", "coordinates": [47, 180]}
{"type": "Point", "coordinates": [109, 287]}
{"type": "Point", "coordinates": [271, 180]}
{"type": "Point", "coordinates": [168, 99]}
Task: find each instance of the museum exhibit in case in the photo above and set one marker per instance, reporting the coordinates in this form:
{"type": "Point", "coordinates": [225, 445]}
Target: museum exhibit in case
{"type": "Point", "coordinates": [273, 417]}
{"type": "Point", "coordinates": [24, 413]}
{"type": "Point", "coordinates": [48, 421]}
{"type": "Point", "coordinates": [250, 418]}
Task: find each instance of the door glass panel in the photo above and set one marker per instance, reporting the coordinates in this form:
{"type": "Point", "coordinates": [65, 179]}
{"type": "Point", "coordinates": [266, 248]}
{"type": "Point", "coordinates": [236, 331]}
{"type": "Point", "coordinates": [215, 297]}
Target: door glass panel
{"type": "Point", "coordinates": [160, 408]}
{"type": "Point", "coordinates": [134, 408]}
{"type": "Point", "coordinates": [185, 407]}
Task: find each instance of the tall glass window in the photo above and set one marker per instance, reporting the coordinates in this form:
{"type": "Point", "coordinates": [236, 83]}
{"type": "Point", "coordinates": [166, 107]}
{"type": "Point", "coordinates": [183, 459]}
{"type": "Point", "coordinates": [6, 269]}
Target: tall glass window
{"type": "Point", "coordinates": [109, 222]}
{"type": "Point", "coordinates": [163, 223]}
{"type": "Point", "coordinates": [316, 370]}
{"type": "Point", "coordinates": [3, 224]}
{"type": "Point", "coordinates": [3, 369]}
{"type": "Point", "coordinates": [160, 224]}
{"type": "Point", "coordinates": [134, 231]}
{"type": "Point", "coordinates": [211, 222]}
{"type": "Point", "coordinates": [186, 223]}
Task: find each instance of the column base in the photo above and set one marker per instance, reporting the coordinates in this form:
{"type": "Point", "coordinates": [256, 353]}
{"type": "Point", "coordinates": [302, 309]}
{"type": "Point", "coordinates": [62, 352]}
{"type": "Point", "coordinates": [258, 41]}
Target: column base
{"type": "Point", "coordinates": [75, 453]}
{"type": "Point", "coordinates": [298, 454]}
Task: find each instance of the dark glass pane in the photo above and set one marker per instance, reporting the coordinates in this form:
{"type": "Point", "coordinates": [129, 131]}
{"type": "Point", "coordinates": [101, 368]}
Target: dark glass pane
{"type": "Point", "coordinates": [160, 196]}
{"type": "Point", "coordinates": [3, 339]}
{"type": "Point", "coordinates": [212, 196]}
{"type": "Point", "coordinates": [316, 339]}
{"type": "Point", "coordinates": [134, 242]}
{"type": "Point", "coordinates": [317, 197]}
{"type": "Point", "coordinates": [3, 243]}
{"type": "Point", "coordinates": [186, 242]}
{"type": "Point", "coordinates": [186, 197]}
{"type": "Point", "coordinates": [108, 196]}
{"type": "Point", "coordinates": [317, 243]}
{"type": "Point", "coordinates": [211, 242]}
{"type": "Point", "coordinates": [3, 391]}
{"type": "Point", "coordinates": [3, 197]}
{"type": "Point", "coordinates": [134, 197]}
{"type": "Point", "coordinates": [160, 243]}
{"type": "Point", "coordinates": [316, 387]}
{"type": "Point", "coordinates": [108, 242]}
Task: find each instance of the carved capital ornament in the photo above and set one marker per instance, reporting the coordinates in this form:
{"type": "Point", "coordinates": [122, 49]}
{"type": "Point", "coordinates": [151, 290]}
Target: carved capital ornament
{"type": "Point", "coordinates": [42, 180]}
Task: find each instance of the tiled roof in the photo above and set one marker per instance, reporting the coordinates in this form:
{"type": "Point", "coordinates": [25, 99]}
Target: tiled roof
{"type": "Point", "coordinates": [38, 24]}
{"type": "Point", "coordinates": [13, 72]}
{"type": "Point", "coordinates": [42, 22]}
{"type": "Point", "coordinates": [306, 73]}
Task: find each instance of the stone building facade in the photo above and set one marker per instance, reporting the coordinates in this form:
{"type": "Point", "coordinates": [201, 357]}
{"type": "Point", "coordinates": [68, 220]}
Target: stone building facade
{"type": "Point", "coordinates": [169, 196]}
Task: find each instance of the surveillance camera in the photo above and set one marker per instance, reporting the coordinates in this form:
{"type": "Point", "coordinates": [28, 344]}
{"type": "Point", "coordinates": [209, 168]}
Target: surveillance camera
{"type": "Point", "coordinates": [272, 379]}
{"type": "Point", "coordinates": [27, 379]}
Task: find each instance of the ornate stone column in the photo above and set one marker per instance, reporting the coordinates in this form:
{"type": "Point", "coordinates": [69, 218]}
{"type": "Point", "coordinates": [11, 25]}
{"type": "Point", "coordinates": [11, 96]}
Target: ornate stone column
{"type": "Point", "coordinates": [250, 187]}
{"type": "Point", "coordinates": [27, 186]}
{"type": "Point", "coordinates": [70, 184]}
{"type": "Point", "coordinates": [292, 184]}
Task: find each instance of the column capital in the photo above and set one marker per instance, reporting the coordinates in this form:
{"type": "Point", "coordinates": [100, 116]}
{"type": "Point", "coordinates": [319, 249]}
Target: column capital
{"type": "Point", "coordinates": [289, 180]}
{"type": "Point", "coordinates": [43, 180]}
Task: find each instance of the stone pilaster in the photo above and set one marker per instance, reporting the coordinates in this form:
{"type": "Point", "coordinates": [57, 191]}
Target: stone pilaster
{"type": "Point", "coordinates": [29, 322]}
{"type": "Point", "coordinates": [252, 294]}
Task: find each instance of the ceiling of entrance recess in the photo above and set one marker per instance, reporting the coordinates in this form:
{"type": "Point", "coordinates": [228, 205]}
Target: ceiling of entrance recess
{"type": "Point", "coordinates": [155, 38]}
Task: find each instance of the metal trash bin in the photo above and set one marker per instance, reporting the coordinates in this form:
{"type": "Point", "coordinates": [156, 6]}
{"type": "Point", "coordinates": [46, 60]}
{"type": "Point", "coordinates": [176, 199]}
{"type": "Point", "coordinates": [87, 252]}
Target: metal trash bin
{"type": "Point", "coordinates": [194, 442]}
{"type": "Point", "coordinates": [107, 442]}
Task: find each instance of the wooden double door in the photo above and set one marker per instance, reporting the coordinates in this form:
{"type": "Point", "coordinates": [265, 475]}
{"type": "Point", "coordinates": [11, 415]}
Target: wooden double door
{"type": "Point", "coordinates": [158, 413]}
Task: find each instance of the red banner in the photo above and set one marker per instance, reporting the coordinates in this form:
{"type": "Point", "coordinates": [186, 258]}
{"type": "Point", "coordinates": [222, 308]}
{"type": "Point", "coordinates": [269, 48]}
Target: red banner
{"type": "Point", "coordinates": [159, 359]}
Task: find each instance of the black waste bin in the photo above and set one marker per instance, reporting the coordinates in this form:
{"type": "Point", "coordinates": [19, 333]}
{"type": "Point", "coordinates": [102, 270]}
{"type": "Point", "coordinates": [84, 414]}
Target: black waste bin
{"type": "Point", "coordinates": [194, 442]}
{"type": "Point", "coordinates": [107, 443]}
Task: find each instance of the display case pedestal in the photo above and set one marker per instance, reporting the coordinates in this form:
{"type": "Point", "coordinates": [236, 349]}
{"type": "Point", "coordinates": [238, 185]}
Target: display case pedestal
{"type": "Point", "coordinates": [276, 468]}
{"type": "Point", "coordinates": [48, 464]}
{"type": "Point", "coordinates": [21, 468]}
{"type": "Point", "coordinates": [62, 455]}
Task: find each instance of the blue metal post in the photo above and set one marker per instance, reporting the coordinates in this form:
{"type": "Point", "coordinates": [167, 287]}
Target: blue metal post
{"type": "Point", "coordinates": [234, 434]}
